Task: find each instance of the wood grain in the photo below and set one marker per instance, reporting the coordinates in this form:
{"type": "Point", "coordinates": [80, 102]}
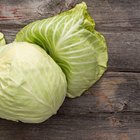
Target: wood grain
{"type": "Point", "coordinates": [108, 111]}
{"type": "Point", "coordinates": [118, 21]}
{"type": "Point", "coordinates": [101, 126]}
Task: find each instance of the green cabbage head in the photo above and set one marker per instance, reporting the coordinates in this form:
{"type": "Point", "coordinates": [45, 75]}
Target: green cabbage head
{"type": "Point", "coordinates": [32, 85]}
{"type": "Point", "coordinates": [72, 41]}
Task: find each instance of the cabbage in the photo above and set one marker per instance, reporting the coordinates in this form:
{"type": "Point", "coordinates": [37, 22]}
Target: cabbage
{"type": "Point", "coordinates": [50, 58]}
{"type": "Point", "coordinates": [73, 43]}
{"type": "Point", "coordinates": [32, 85]}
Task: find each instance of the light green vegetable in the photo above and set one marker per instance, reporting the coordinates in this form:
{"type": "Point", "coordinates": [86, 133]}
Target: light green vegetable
{"type": "Point", "coordinates": [71, 40]}
{"type": "Point", "coordinates": [35, 81]}
{"type": "Point", "coordinates": [32, 85]}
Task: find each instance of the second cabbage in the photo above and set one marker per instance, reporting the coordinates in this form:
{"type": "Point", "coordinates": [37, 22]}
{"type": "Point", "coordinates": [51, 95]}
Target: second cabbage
{"type": "Point", "coordinates": [71, 40]}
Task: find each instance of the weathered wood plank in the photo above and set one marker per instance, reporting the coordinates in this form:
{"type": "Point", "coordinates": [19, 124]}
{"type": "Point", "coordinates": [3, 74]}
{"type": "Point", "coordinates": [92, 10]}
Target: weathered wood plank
{"type": "Point", "coordinates": [108, 111]}
{"type": "Point", "coordinates": [21, 12]}
{"type": "Point", "coordinates": [117, 20]}
{"type": "Point", "coordinates": [115, 15]}
{"type": "Point", "coordinates": [110, 15]}
{"type": "Point", "coordinates": [112, 93]}
{"type": "Point", "coordinates": [119, 126]}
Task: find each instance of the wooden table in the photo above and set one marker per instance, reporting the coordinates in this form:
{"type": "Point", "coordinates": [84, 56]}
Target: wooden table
{"type": "Point", "coordinates": [110, 109]}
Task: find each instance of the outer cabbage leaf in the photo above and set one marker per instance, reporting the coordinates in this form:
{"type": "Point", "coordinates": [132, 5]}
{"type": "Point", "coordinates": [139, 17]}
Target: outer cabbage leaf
{"type": "Point", "coordinates": [32, 85]}
{"type": "Point", "coordinates": [71, 40]}
{"type": "Point", "coordinates": [2, 39]}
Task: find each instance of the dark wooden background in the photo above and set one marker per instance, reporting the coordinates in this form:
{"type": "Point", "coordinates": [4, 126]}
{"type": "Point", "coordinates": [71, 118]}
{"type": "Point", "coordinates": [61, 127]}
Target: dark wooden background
{"type": "Point", "coordinates": [109, 110]}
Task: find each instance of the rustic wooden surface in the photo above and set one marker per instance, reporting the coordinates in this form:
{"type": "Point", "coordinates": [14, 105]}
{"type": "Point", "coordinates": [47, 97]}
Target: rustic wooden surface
{"type": "Point", "coordinates": [110, 109]}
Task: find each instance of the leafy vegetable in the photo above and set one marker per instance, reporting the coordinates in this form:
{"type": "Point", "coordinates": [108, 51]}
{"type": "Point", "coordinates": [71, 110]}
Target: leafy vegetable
{"type": "Point", "coordinates": [71, 40]}
{"type": "Point", "coordinates": [32, 85]}
{"type": "Point", "coordinates": [35, 81]}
